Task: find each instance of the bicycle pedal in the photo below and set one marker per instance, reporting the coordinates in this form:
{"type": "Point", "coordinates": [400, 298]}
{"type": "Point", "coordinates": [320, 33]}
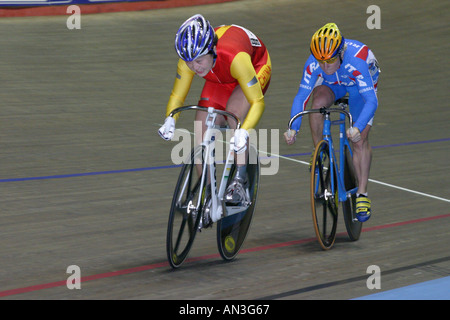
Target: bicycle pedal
{"type": "Point", "coordinates": [206, 223]}
{"type": "Point", "coordinates": [240, 203]}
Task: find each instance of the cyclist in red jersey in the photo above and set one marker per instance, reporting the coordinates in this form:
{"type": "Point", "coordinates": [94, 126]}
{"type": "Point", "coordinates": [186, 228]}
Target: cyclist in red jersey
{"type": "Point", "coordinates": [237, 68]}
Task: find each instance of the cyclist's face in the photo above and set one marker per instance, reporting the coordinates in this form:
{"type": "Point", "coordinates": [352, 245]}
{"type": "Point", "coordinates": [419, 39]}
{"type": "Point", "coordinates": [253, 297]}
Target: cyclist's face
{"type": "Point", "coordinates": [330, 68]}
{"type": "Point", "coordinates": [202, 65]}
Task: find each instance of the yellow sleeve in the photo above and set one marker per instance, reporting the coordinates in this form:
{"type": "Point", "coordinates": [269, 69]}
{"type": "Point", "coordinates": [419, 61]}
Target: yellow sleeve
{"type": "Point", "coordinates": [243, 71]}
{"type": "Point", "coordinates": [180, 88]}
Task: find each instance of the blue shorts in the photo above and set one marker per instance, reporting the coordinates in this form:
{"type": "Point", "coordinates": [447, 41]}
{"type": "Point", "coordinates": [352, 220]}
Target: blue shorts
{"type": "Point", "coordinates": [355, 99]}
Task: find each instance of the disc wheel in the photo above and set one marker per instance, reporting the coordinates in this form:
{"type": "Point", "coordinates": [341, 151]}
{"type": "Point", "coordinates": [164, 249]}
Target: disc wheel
{"type": "Point", "coordinates": [232, 230]}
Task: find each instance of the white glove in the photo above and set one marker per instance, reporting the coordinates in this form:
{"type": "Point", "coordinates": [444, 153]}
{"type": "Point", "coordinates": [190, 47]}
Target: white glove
{"type": "Point", "coordinates": [353, 134]}
{"type": "Point", "coordinates": [168, 128]}
{"type": "Point", "coordinates": [240, 140]}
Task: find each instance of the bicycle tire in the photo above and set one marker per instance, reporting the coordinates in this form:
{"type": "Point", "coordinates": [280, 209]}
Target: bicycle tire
{"type": "Point", "coordinates": [183, 217]}
{"type": "Point", "coordinates": [232, 230]}
{"type": "Point", "coordinates": [352, 224]}
{"type": "Point", "coordinates": [323, 201]}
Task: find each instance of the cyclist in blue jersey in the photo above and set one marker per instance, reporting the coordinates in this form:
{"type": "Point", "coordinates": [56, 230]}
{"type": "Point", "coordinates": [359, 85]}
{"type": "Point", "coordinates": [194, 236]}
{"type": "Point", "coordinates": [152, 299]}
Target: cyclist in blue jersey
{"type": "Point", "coordinates": [338, 66]}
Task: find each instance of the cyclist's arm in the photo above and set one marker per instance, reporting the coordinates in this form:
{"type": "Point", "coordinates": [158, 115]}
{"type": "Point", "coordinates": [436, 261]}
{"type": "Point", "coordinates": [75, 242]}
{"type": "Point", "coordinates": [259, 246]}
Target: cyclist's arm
{"type": "Point", "coordinates": [180, 88]}
{"type": "Point", "coordinates": [309, 78]}
{"type": "Point", "coordinates": [243, 71]}
{"type": "Point", "coordinates": [366, 89]}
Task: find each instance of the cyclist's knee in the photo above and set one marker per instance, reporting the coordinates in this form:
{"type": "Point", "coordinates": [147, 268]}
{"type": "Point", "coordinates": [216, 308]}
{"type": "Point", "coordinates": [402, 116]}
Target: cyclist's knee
{"type": "Point", "coordinates": [322, 96]}
{"type": "Point", "coordinates": [362, 145]}
{"type": "Point", "coordinates": [365, 135]}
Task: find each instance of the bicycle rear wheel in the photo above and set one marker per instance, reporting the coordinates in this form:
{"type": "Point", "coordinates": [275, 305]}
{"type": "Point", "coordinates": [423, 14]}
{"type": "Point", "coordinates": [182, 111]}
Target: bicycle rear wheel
{"type": "Point", "coordinates": [323, 199]}
{"type": "Point", "coordinates": [232, 230]}
{"type": "Point", "coordinates": [184, 217]}
{"type": "Point", "coordinates": [352, 224]}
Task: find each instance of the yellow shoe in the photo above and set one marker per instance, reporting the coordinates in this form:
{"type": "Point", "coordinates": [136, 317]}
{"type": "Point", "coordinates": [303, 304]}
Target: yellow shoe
{"type": "Point", "coordinates": [363, 208]}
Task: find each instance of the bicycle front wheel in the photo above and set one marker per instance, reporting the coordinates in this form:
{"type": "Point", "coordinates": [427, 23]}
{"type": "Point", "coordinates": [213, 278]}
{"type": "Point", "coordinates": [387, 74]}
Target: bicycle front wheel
{"type": "Point", "coordinates": [352, 224]}
{"type": "Point", "coordinates": [185, 211]}
{"type": "Point", "coordinates": [323, 196]}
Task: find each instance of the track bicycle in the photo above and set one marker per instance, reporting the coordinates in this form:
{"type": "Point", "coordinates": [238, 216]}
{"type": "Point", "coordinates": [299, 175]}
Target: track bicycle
{"type": "Point", "coordinates": [197, 201]}
{"type": "Point", "coordinates": [333, 181]}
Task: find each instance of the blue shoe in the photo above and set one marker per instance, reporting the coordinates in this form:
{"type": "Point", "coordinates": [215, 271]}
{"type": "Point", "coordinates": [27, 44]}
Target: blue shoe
{"type": "Point", "coordinates": [363, 208]}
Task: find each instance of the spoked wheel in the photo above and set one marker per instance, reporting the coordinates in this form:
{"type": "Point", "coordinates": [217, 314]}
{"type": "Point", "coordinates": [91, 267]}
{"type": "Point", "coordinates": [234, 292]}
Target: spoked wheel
{"type": "Point", "coordinates": [232, 230]}
{"type": "Point", "coordinates": [352, 224]}
{"type": "Point", "coordinates": [185, 211]}
{"type": "Point", "coordinates": [323, 199]}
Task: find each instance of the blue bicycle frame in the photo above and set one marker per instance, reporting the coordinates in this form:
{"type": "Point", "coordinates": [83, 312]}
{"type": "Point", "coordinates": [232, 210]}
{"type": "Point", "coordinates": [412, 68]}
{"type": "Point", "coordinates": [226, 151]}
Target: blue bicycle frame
{"type": "Point", "coordinates": [343, 194]}
{"type": "Point", "coordinates": [325, 170]}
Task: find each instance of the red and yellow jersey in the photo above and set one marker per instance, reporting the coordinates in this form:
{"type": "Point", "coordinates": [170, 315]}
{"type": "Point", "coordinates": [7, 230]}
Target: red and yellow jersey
{"type": "Point", "coordinates": [242, 59]}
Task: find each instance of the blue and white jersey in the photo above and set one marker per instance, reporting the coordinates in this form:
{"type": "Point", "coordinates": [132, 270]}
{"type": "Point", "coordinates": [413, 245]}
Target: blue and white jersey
{"type": "Point", "coordinates": [357, 75]}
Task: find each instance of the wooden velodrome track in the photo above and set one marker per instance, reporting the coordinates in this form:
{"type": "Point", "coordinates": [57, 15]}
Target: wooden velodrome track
{"type": "Point", "coordinates": [85, 179]}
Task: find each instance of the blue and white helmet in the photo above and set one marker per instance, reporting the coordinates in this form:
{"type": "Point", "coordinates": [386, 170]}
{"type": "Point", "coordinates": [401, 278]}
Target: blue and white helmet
{"type": "Point", "coordinates": [195, 38]}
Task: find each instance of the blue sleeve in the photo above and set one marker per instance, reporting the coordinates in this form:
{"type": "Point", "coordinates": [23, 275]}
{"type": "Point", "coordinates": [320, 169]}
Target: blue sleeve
{"type": "Point", "coordinates": [307, 83]}
{"type": "Point", "coordinates": [366, 89]}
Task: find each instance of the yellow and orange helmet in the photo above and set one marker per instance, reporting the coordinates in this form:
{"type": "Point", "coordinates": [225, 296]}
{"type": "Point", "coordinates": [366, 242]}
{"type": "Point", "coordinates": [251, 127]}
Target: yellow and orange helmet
{"type": "Point", "coordinates": [327, 42]}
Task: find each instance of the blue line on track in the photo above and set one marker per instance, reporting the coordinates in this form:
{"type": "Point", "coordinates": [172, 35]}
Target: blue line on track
{"type": "Point", "coordinates": [61, 176]}
{"type": "Point", "coordinates": [74, 175]}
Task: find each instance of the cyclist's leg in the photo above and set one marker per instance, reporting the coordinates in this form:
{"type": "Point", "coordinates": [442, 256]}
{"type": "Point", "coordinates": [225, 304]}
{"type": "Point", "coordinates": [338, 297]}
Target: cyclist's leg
{"type": "Point", "coordinates": [323, 96]}
{"type": "Point", "coordinates": [236, 191]}
{"type": "Point", "coordinates": [362, 151]}
{"type": "Point", "coordinates": [362, 159]}
{"type": "Point", "coordinates": [238, 104]}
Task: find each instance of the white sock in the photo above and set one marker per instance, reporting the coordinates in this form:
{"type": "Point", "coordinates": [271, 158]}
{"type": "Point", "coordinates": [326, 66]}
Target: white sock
{"type": "Point", "coordinates": [362, 194]}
